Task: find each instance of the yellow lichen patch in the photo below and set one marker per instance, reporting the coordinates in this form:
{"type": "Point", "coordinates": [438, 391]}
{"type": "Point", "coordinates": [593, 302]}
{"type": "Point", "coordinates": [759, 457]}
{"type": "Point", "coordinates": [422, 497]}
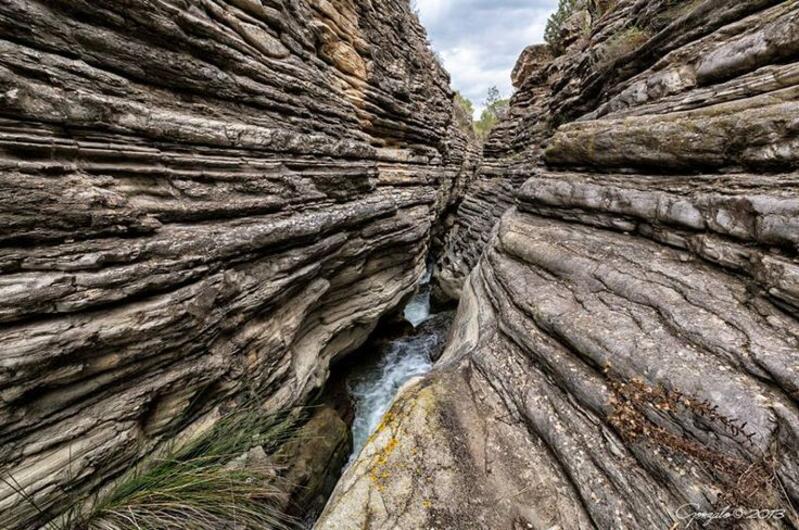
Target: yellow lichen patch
{"type": "Point", "coordinates": [379, 472]}
{"type": "Point", "coordinates": [380, 469]}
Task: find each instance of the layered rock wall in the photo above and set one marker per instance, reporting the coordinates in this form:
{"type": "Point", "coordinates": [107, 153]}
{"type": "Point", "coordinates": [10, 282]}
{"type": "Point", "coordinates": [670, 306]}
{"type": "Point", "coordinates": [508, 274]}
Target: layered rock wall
{"type": "Point", "coordinates": [198, 198]}
{"type": "Point", "coordinates": [626, 352]}
{"type": "Point", "coordinates": [512, 147]}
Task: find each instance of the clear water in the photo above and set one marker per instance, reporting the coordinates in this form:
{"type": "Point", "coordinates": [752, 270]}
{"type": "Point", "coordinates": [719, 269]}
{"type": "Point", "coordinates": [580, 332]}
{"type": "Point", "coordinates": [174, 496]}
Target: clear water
{"type": "Point", "coordinates": [375, 381]}
{"type": "Point", "coordinates": [373, 387]}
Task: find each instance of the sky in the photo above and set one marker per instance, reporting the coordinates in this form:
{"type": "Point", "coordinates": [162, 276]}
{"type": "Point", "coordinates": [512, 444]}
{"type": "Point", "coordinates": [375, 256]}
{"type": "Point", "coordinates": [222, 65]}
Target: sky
{"type": "Point", "coordinates": [480, 40]}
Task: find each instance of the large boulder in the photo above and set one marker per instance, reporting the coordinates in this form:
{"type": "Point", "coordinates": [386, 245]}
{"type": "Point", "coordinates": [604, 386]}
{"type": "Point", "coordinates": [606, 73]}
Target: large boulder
{"type": "Point", "coordinates": [313, 459]}
{"type": "Point", "coordinates": [533, 60]}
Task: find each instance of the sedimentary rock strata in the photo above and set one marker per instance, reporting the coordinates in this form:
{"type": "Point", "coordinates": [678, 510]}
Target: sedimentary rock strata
{"type": "Point", "coordinates": [198, 198]}
{"type": "Point", "coordinates": [627, 346]}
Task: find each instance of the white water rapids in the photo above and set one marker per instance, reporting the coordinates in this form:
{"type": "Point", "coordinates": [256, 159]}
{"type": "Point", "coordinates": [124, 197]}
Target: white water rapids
{"type": "Point", "coordinates": [375, 382]}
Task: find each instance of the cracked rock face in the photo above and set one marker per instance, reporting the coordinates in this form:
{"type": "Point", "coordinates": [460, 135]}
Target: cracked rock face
{"type": "Point", "coordinates": [627, 343]}
{"type": "Point", "coordinates": [197, 198]}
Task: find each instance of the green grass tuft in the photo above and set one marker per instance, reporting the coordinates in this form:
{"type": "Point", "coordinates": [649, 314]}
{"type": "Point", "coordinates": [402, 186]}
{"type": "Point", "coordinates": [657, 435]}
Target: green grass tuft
{"type": "Point", "coordinates": [195, 494]}
{"type": "Point", "coordinates": [196, 487]}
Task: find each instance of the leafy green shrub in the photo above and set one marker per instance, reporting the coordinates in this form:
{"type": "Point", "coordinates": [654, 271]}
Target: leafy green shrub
{"type": "Point", "coordinates": [553, 32]}
{"type": "Point", "coordinates": [464, 113]}
{"type": "Point", "coordinates": [464, 103]}
{"type": "Point", "coordinates": [496, 108]}
{"type": "Point", "coordinates": [622, 43]}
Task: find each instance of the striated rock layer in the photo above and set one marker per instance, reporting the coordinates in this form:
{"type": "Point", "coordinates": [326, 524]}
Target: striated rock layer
{"type": "Point", "coordinates": [513, 146]}
{"type": "Point", "coordinates": [626, 351]}
{"type": "Point", "coordinates": [198, 198]}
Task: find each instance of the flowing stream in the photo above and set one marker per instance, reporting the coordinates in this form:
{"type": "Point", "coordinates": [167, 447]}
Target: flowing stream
{"type": "Point", "coordinates": [375, 381]}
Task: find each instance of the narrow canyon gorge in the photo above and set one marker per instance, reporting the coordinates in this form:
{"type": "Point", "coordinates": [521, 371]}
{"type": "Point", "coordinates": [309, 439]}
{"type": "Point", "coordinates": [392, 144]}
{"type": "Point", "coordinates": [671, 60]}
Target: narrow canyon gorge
{"type": "Point", "coordinates": [590, 320]}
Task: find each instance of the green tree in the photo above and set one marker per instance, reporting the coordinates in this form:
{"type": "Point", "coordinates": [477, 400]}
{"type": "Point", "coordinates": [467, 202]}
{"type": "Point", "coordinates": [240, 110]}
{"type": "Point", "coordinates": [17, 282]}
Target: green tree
{"type": "Point", "coordinates": [464, 103]}
{"type": "Point", "coordinates": [496, 109]}
{"type": "Point", "coordinates": [552, 33]}
{"type": "Point", "coordinates": [464, 113]}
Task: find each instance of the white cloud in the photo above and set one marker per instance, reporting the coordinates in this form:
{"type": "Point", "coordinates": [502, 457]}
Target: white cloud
{"type": "Point", "coordinates": [431, 10]}
{"type": "Point", "coordinates": [480, 40]}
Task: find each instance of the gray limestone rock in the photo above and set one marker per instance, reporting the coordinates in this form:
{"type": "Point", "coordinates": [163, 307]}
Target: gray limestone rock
{"type": "Point", "coordinates": [626, 351]}
{"type": "Point", "coordinates": [197, 198]}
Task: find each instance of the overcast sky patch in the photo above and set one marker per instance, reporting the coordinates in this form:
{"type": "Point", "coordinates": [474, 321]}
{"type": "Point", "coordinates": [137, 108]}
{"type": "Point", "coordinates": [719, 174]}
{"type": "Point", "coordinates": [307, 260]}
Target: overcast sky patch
{"type": "Point", "coordinates": [480, 40]}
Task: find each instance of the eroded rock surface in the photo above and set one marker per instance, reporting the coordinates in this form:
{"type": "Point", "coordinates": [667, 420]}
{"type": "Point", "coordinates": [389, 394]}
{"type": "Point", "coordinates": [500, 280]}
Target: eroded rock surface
{"type": "Point", "coordinates": [196, 198]}
{"type": "Point", "coordinates": [513, 146]}
{"type": "Point", "coordinates": [628, 342]}
{"type": "Point", "coordinates": [314, 457]}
